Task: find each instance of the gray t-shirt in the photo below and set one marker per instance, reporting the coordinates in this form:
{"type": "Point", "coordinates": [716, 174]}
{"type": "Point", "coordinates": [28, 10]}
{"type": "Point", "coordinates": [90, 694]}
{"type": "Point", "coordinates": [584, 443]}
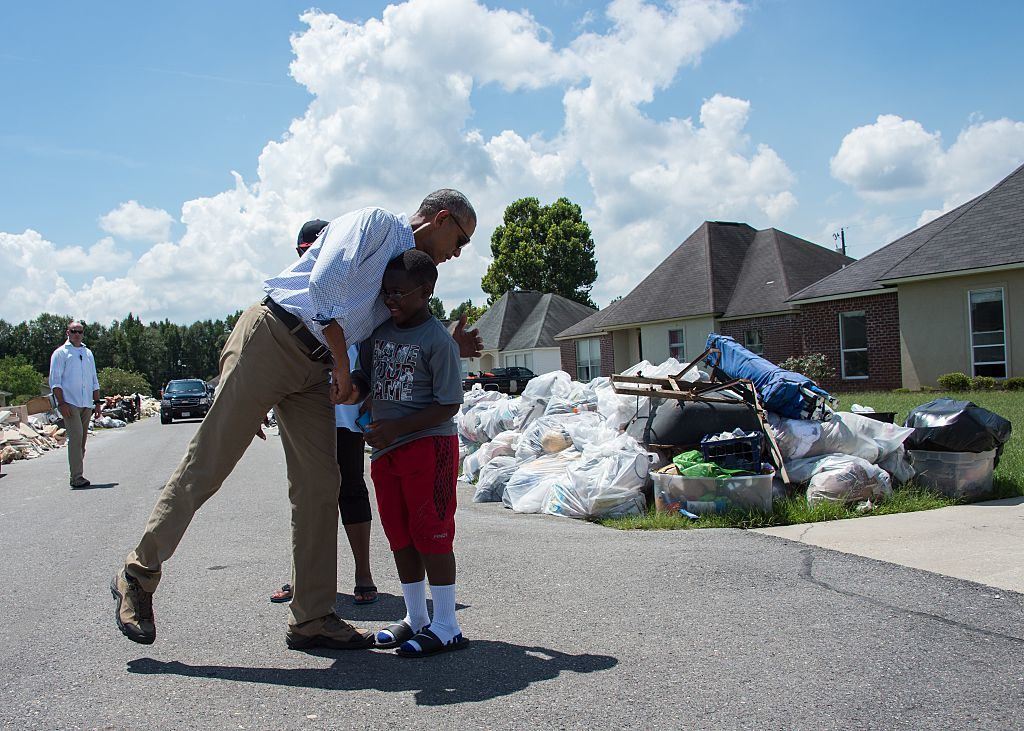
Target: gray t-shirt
{"type": "Point", "coordinates": [412, 368]}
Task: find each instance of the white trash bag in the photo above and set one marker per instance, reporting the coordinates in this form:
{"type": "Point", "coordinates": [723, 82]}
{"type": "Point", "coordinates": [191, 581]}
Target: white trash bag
{"type": "Point", "coordinates": [607, 482]}
{"type": "Point", "coordinates": [529, 488]}
{"type": "Point", "coordinates": [494, 476]}
{"type": "Point", "coordinates": [841, 478]}
{"type": "Point", "coordinates": [501, 446]}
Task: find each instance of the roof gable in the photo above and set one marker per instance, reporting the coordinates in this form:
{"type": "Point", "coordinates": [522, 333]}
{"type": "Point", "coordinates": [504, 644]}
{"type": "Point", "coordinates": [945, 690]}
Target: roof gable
{"type": "Point", "coordinates": [526, 320]}
{"type": "Point", "coordinates": [983, 232]}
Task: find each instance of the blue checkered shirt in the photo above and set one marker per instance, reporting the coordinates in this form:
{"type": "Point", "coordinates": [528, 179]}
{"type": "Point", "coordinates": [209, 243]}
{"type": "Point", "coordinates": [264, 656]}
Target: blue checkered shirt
{"type": "Point", "coordinates": [339, 276]}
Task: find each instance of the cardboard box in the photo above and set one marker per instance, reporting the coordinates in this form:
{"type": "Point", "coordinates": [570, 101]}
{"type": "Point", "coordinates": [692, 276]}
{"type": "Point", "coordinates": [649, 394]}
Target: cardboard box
{"type": "Point", "coordinates": [20, 411]}
{"type": "Point", "coordinates": [41, 404]}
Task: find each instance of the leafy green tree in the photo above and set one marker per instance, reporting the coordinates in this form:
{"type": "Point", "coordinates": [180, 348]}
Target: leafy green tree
{"type": "Point", "coordinates": [114, 381]}
{"type": "Point", "coordinates": [467, 308]}
{"type": "Point", "coordinates": [437, 308]}
{"type": "Point", "coordinates": [18, 377]}
{"type": "Point", "coordinates": [544, 248]}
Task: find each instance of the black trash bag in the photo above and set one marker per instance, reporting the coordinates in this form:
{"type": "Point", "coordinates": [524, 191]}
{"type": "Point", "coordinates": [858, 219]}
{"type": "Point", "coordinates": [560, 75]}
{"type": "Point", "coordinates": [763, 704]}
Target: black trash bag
{"type": "Point", "coordinates": [684, 423]}
{"type": "Point", "coordinates": [945, 425]}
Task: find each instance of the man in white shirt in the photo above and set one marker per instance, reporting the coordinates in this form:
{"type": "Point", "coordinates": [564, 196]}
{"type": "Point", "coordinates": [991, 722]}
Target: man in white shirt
{"type": "Point", "coordinates": [289, 353]}
{"type": "Point", "coordinates": [77, 390]}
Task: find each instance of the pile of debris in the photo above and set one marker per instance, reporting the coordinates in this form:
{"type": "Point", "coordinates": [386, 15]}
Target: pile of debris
{"type": "Point", "coordinates": [735, 436]}
{"type": "Point", "coordinates": [28, 438]}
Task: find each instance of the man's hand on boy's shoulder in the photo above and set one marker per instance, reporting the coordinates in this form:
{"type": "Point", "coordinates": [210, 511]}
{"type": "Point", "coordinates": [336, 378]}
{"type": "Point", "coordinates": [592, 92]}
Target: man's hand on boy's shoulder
{"type": "Point", "coordinates": [381, 434]}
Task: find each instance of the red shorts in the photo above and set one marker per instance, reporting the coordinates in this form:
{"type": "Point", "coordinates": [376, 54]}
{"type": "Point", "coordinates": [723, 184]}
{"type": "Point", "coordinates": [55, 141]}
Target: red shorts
{"type": "Point", "coordinates": [415, 486]}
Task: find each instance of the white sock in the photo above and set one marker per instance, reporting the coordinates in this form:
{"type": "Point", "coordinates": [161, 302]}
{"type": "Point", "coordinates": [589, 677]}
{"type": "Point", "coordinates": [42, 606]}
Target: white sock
{"type": "Point", "coordinates": [415, 594]}
{"type": "Point", "coordinates": [444, 624]}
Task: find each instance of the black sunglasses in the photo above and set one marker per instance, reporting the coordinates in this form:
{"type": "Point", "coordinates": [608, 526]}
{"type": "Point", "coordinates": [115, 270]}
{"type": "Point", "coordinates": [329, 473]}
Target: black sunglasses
{"type": "Point", "coordinates": [465, 240]}
{"type": "Point", "coordinates": [76, 332]}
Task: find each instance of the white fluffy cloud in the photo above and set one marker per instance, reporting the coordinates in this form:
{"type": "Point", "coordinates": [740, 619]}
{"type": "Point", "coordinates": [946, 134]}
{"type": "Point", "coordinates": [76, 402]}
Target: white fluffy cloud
{"type": "Point", "coordinates": [137, 223]}
{"type": "Point", "coordinates": [392, 118]}
{"type": "Point", "coordinates": [896, 158]}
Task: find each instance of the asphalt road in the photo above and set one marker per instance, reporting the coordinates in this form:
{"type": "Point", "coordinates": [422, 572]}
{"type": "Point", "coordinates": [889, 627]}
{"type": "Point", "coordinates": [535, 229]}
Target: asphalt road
{"type": "Point", "coordinates": [572, 625]}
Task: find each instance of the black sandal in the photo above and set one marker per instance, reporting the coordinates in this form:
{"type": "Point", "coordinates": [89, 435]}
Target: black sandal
{"type": "Point", "coordinates": [282, 595]}
{"type": "Point", "coordinates": [430, 644]}
{"type": "Point", "coordinates": [364, 589]}
{"type": "Point", "coordinates": [400, 632]}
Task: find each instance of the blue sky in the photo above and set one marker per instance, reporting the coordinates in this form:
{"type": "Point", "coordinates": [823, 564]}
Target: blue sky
{"type": "Point", "coordinates": [157, 104]}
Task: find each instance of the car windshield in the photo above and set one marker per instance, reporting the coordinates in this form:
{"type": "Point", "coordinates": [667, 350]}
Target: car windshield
{"type": "Point", "coordinates": [185, 386]}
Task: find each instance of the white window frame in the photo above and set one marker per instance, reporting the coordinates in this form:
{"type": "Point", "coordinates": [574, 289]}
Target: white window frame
{"type": "Point", "coordinates": [592, 366]}
{"type": "Point", "coordinates": [1005, 362]}
{"type": "Point", "coordinates": [760, 340]}
{"type": "Point", "coordinates": [518, 360]}
{"type": "Point", "coordinates": [843, 350]}
{"type": "Point", "coordinates": [673, 348]}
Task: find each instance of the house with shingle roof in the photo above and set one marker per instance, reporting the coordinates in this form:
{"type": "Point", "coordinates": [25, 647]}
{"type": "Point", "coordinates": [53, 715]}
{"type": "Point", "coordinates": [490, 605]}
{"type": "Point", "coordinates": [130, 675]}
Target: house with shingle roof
{"type": "Point", "coordinates": [725, 277]}
{"type": "Point", "coordinates": [519, 330]}
{"type": "Point", "coordinates": [946, 297]}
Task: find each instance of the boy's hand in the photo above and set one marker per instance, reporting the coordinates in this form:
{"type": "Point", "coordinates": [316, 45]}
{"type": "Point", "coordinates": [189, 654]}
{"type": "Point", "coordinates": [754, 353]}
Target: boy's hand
{"type": "Point", "coordinates": [382, 433]}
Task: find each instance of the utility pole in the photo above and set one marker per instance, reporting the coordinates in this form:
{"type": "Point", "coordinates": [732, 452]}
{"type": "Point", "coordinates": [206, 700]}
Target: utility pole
{"type": "Point", "coordinates": [841, 238]}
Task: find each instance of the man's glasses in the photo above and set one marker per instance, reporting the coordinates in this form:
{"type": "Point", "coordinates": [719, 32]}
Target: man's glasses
{"type": "Point", "coordinates": [75, 332]}
{"type": "Point", "coordinates": [465, 236]}
{"type": "Point", "coordinates": [397, 295]}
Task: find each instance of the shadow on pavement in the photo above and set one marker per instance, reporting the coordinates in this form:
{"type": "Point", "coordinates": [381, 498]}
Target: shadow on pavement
{"type": "Point", "coordinates": [97, 486]}
{"type": "Point", "coordinates": [484, 670]}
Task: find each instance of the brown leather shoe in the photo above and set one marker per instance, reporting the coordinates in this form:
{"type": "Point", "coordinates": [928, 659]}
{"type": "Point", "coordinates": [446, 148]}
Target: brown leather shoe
{"type": "Point", "coordinates": [331, 632]}
{"type": "Point", "coordinates": [134, 610]}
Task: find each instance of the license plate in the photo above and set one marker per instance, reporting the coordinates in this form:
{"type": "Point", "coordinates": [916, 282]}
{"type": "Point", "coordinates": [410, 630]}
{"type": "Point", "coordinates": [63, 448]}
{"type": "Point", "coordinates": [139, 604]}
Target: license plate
{"type": "Point", "coordinates": [185, 413]}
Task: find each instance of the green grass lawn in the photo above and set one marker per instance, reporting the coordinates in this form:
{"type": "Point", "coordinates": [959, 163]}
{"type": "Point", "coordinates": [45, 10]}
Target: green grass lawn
{"type": "Point", "coordinates": [1008, 480]}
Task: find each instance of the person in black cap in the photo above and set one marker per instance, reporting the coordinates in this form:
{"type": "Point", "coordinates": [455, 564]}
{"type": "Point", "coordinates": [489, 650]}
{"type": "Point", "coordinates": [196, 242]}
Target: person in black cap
{"type": "Point", "coordinates": [354, 499]}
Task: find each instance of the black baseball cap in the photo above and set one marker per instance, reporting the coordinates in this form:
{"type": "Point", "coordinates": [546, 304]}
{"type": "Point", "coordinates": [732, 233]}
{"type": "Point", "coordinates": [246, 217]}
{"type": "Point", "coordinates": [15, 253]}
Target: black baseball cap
{"type": "Point", "coordinates": [308, 233]}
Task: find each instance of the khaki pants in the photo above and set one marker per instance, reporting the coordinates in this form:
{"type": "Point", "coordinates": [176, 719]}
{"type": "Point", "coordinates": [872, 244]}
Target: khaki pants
{"type": "Point", "coordinates": [77, 429]}
{"type": "Point", "coordinates": [262, 366]}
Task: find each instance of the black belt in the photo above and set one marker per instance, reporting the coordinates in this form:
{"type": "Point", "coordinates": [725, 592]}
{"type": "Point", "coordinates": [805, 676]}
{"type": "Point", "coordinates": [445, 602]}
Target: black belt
{"type": "Point", "coordinates": [317, 350]}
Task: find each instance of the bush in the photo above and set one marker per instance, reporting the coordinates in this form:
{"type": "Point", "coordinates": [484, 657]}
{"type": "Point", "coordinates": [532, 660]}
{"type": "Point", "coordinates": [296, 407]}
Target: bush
{"type": "Point", "coordinates": [954, 382]}
{"type": "Point", "coordinates": [114, 381]}
{"type": "Point", "coordinates": [18, 377]}
{"type": "Point", "coordinates": [1014, 384]}
{"type": "Point", "coordinates": [814, 366]}
{"type": "Point", "coordinates": [984, 383]}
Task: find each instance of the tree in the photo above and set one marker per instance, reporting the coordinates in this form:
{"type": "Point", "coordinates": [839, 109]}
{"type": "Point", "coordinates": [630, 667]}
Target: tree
{"type": "Point", "coordinates": [437, 308]}
{"type": "Point", "coordinates": [471, 311]}
{"type": "Point", "coordinates": [114, 382]}
{"type": "Point", "coordinates": [19, 378]}
{"type": "Point", "coordinates": [544, 248]}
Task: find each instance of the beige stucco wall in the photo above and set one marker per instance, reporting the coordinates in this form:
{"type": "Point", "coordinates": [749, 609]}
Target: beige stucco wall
{"type": "Point", "coordinates": [655, 337]}
{"type": "Point", "coordinates": [627, 348]}
{"type": "Point", "coordinates": [935, 327]}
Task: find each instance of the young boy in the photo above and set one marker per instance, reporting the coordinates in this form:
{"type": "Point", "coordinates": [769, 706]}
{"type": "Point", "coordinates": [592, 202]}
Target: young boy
{"type": "Point", "coordinates": [411, 372]}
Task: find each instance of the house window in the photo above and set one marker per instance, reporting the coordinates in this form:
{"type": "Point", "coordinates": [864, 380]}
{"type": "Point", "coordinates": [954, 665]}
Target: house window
{"type": "Point", "coordinates": [677, 345]}
{"type": "Point", "coordinates": [522, 360]}
{"type": "Point", "coordinates": [588, 359]}
{"type": "Point", "coordinates": [853, 342]}
{"type": "Point", "coordinates": [988, 332]}
{"type": "Point", "coordinates": [752, 341]}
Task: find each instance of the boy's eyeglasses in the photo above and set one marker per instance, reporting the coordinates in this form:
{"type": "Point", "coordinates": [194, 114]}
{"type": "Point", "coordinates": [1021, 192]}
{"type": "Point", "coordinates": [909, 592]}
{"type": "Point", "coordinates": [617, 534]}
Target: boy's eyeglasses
{"type": "Point", "coordinates": [397, 295]}
{"type": "Point", "coordinates": [464, 241]}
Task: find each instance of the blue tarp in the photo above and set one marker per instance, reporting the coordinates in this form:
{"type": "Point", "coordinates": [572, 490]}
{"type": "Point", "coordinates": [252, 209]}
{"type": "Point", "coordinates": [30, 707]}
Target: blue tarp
{"type": "Point", "coordinates": [781, 391]}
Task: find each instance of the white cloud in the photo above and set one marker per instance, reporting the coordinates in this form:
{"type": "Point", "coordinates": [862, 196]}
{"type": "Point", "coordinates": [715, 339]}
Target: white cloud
{"type": "Point", "coordinates": [392, 118]}
{"type": "Point", "coordinates": [897, 158]}
{"type": "Point", "coordinates": [137, 223]}
{"type": "Point", "coordinates": [103, 256]}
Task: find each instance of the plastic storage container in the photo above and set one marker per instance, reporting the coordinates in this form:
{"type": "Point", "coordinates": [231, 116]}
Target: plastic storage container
{"type": "Point", "coordinates": [703, 495]}
{"type": "Point", "coordinates": [966, 475]}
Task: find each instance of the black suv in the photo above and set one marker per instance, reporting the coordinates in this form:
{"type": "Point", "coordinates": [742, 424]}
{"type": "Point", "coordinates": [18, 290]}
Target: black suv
{"type": "Point", "coordinates": [184, 399]}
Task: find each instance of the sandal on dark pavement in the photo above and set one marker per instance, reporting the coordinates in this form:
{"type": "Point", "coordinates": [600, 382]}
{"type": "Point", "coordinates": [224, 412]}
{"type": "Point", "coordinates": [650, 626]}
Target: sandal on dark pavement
{"type": "Point", "coordinates": [399, 632]}
{"type": "Point", "coordinates": [430, 644]}
{"type": "Point", "coordinates": [282, 595]}
{"type": "Point", "coordinates": [364, 589]}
